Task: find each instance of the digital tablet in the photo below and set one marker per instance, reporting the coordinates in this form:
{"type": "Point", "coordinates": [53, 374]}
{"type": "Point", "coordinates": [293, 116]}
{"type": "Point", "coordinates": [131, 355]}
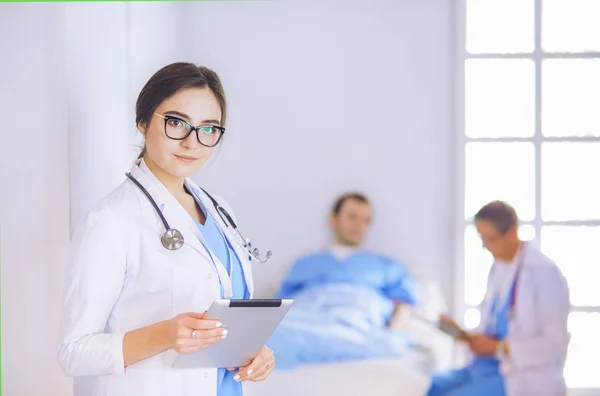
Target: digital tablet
{"type": "Point", "coordinates": [452, 331]}
{"type": "Point", "coordinates": [249, 323]}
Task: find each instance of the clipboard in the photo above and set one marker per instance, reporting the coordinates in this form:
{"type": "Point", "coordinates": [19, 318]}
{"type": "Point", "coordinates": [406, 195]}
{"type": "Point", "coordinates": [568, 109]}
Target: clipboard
{"type": "Point", "coordinates": [249, 323]}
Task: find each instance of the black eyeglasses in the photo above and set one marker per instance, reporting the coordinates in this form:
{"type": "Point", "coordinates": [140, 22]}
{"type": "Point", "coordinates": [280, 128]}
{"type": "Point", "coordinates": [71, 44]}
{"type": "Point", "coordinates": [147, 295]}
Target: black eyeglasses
{"type": "Point", "coordinates": [178, 129]}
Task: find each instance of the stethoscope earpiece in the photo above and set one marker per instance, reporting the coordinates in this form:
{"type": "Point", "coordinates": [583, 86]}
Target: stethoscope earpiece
{"type": "Point", "coordinates": [256, 255]}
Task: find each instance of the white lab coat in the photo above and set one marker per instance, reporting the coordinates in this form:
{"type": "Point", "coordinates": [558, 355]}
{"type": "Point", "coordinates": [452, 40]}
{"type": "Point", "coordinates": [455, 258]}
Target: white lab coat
{"type": "Point", "coordinates": [537, 336]}
{"type": "Point", "coordinates": [121, 278]}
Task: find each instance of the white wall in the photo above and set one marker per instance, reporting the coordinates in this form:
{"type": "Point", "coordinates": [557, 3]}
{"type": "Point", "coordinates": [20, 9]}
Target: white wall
{"type": "Point", "coordinates": [34, 195]}
{"type": "Point", "coordinates": [330, 96]}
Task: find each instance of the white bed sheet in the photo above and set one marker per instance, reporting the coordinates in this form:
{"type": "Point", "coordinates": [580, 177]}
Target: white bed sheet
{"type": "Point", "coordinates": [405, 376]}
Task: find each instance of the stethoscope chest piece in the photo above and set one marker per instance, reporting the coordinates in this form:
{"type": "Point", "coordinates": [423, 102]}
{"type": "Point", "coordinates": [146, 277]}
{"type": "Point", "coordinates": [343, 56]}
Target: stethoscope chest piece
{"type": "Point", "coordinates": [172, 239]}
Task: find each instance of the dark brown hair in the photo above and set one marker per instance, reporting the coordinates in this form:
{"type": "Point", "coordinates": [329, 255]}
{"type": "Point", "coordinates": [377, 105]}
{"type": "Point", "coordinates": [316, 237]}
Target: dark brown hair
{"type": "Point", "coordinates": [500, 214]}
{"type": "Point", "coordinates": [337, 205]}
{"type": "Point", "coordinates": [171, 79]}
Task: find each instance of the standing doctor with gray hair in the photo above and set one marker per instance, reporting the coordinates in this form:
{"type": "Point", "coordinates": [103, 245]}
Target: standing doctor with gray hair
{"type": "Point", "coordinates": [521, 343]}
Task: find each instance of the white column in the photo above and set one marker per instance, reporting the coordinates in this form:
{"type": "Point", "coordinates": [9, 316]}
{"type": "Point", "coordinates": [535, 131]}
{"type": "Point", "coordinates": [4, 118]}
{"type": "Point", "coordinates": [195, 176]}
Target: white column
{"type": "Point", "coordinates": [34, 196]}
{"type": "Point", "coordinates": [159, 33]}
{"type": "Point", "coordinates": [100, 114]}
{"type": "Point", "coordinates": [113, 48]}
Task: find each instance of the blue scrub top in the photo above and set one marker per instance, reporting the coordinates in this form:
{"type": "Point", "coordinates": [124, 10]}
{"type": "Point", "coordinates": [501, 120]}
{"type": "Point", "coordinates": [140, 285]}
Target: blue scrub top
{"type": "Point", "coordinates": [497, 328]}
{"type": "Point", "coordinates": [218, 245]}
{"type": "Point", "coordinates": [482, 376]}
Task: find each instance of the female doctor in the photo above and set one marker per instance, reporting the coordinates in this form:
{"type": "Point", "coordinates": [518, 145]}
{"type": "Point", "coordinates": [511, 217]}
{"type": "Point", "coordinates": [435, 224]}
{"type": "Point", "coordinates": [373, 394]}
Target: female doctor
{"type": "Point", "coordinates": [520, 347]}
{"type": "Point", "coordinates": [132, 304]}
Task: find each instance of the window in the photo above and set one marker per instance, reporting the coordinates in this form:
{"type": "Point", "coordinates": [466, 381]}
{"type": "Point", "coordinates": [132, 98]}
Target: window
{"type": "Point", "coordinates": [529, 131]}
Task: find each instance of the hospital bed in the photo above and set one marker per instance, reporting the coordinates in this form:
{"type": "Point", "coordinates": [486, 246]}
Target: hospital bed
{"type": "Point", "coordinates": [404, 376]}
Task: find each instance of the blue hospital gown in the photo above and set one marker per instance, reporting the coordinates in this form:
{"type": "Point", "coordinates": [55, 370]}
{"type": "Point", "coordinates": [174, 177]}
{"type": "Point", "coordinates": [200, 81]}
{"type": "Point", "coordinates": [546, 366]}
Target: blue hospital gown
{"type": "Point", "coordinates": [386, 277]}
{"type": "Point", "coordinates": [341, 309]}
{"type": "Point", "coordinates": [226, 385]}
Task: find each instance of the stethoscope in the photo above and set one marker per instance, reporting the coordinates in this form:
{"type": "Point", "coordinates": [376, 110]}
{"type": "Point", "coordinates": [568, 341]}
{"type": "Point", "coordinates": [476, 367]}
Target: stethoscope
{"type": "Point", "coordinates": [172, 239]}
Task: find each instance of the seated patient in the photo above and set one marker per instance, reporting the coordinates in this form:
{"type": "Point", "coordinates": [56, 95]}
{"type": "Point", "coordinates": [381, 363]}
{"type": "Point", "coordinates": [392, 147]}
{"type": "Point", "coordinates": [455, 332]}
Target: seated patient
{"type": "Point", "coordinates": [344, 296]}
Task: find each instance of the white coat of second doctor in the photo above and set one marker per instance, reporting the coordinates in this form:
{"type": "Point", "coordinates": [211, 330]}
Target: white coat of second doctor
{"type": "Point", "coordinates": [537, 334]}
{"type": "Point", "coordinates": [121, 278]}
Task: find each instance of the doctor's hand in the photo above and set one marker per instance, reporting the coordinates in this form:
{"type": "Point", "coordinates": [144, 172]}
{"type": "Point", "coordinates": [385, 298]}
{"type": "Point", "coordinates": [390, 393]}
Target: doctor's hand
{"type": "Point", "coordinates": [190, 332]}
{"type": "Point", "coordinates": [259, 369]}
{"type": "Point", "coordinates": [482, 345]}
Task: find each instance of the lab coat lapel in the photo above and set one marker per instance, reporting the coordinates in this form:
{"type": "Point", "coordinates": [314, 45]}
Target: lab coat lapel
{"type": "Point", "coordinates": [525, 287]}
{"type": "Point", "coordinates": [244, 257]}
{"type": "Point", "coordinates": [494, 290]}
{"type": "Point", "coordinates": [242, 254]}
{"type": "Point", "coordinates": [177, 217]}
{"type": "Point", "coordinates": [485, 310]}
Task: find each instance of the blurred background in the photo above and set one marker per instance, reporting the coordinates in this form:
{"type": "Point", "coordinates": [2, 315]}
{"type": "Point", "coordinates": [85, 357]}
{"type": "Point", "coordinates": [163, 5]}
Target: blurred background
{"type": "Point", "coordinates": [431, 108]}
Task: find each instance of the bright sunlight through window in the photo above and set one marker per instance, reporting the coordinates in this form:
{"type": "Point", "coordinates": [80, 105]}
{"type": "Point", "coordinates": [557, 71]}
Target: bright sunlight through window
{"type": "Point", "coordinates": [530, 131]}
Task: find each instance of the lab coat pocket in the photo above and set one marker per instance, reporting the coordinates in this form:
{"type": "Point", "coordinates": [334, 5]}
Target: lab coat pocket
{"type": "Point", "coordinates": [153, 274]}
{"type": "Point", "coordinates": [195, 283]}
{"type": "Point", "coordinates": [137, 382]}
{"type": "Point", "coordinates": [148, 286]}
{"type": "Point", "coordinates": [543, 381]}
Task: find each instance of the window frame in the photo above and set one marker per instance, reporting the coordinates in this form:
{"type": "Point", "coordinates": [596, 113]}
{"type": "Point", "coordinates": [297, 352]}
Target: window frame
{"type": "Point", "coordinates": [461, 140]}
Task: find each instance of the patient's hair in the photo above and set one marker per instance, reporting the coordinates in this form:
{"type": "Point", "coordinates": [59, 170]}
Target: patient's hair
{"type": "Point", "coordinates": [500, 214]}
{"type": "Point", "coordinates": [340, 201]}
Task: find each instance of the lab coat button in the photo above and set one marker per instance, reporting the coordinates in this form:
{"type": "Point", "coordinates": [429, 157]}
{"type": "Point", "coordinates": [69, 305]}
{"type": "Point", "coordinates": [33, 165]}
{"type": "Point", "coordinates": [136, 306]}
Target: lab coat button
{"type": "Point", "coordinates": [209, 275]}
